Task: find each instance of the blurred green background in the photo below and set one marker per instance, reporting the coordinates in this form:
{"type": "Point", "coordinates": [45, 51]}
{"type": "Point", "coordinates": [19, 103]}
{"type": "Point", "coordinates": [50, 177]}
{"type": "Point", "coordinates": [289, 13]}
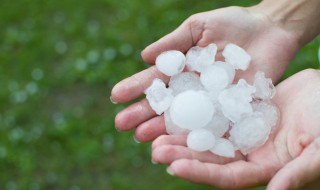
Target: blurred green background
{"type": "Point", "coordinates": [59, 61]}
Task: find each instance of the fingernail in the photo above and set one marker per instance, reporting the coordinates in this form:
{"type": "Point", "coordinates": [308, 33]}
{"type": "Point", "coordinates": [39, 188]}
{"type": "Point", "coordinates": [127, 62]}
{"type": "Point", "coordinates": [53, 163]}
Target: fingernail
{"type": "Point", "coordinates": [135, 140]}
{"type": "Point", "coordinates": [112, 101]}
{"type": "Point", "coordinates": [154, 162]}
{"type": "Point", "coordinates": [169, 171]}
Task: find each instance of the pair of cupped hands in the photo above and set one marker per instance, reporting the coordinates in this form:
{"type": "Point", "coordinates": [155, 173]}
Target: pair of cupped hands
{"type": "Point", "coordinates": [290, 159]}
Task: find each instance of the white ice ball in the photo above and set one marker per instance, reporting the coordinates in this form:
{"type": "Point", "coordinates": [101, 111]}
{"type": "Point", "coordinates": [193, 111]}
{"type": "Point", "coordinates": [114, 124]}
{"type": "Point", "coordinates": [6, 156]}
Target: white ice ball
{"type": "Point", "coordinates": [191, 109]}
{"type": "Point", "coordinates": [200, 140]}
{"type": "Point", "coordinates": [171, 62]}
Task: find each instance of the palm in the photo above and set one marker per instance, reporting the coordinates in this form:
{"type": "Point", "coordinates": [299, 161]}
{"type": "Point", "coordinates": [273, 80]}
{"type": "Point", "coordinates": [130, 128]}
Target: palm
{"type": "Point", "coordinates": [295, 132]}
{"type": "Point", "coordinates": [270, 46]}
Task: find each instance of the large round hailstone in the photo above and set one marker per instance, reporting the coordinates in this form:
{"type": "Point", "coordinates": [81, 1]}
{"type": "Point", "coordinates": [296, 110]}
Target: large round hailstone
{"type": "Point", "coordinates": [200, 140]}
{"type": "Point", "coordinates": [191, 109]}
{"type": "Point", "coordinates": [171, 62]}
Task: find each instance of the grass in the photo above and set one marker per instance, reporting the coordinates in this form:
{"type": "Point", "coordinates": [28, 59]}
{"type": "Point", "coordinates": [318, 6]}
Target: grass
{"type": "Point", "coordinates": [59, 61]}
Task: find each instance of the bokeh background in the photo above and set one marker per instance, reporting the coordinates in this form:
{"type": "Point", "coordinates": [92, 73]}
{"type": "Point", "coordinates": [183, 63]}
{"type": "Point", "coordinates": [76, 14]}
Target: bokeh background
{"type": "Point", "coordinates": [58, 63]}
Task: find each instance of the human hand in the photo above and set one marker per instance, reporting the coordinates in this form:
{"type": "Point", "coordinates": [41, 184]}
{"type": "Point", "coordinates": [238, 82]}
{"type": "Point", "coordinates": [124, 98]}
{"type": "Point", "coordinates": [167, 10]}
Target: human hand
{"type": "Point", "coordinates": [270, 46]}
{"type": "Point", "coordinates": [290, 158]}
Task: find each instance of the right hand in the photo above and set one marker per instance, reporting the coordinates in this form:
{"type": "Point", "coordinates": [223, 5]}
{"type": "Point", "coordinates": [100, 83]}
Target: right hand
{"type": "Point", "coordinates": [270, 46]}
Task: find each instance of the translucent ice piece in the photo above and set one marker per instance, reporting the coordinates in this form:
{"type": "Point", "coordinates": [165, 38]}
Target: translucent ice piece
{"type": "Point", "coordinates": [235, 101]}
{"type": "Point", "coordinates": [185, 81]}
{"type": "Point", "coordinates": [214, 77]}
{"type": "Point", "coordinates": [264, 87]}
{"type": "Point", "coordinates": [200, 140]}
{"type": "Point", "coordinates": [250, 133]}
{"type": "Point", "coordinates": [159, 96]}
{"type": "Point", "coordinates": [198, 58]}
{"type": "Point", "coordinates": [191, 110]}
{"type": "Point", "coordinates": [270, 112]}
{"type": "Point", "coordinates": [223, 147]}
{"type": "Point", "coordinates": [218, 125]}
{"type": "Point", "coordinates": [171, 62]}
{"type": "Point", "coordinates": [236, 56]}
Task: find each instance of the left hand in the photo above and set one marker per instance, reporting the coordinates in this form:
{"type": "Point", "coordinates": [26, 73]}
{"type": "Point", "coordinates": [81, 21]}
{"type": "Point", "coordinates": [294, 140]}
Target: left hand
{"type": "Point", "coordinates": [290, 159]}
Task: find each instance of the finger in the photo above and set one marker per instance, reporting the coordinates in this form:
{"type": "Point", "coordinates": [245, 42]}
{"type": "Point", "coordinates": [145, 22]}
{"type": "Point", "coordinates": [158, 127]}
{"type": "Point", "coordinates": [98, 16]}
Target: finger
{"type": "Point", "coordinates": [166, 154]}
{"type": "Point", "coordinates": [182, 39]}
{"type": "Point", "coordinates": [235, 175]}
{"type": "Point", "coordinates": [170, 140]}
{"type": "Point", "coordinates": [301, 171]}
{"type": "Point", "coordinates": [150, 129]}
{"type": "Point", "coordinates": [134, 86]}
{"type": "Point", "coordinates": [134, 115]}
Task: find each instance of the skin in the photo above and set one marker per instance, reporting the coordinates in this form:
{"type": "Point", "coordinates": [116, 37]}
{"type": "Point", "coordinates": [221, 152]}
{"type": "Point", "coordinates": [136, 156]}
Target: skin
{"type": "Point", "coordinates": [271, 32]}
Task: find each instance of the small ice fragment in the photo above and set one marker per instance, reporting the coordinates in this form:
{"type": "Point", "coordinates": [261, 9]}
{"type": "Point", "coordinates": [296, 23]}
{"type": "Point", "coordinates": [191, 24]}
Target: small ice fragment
{"type": "Point", "coordinates": [171, 128]}
{"type": "Point", "coordinates": [214, 77]}
{"type": "Point", "coordinates": [191, 110]}
{"type": "Point", "coordinates": [236, 56]}
{"type": "Point", "coordinates": [270, 112]}
{"type": "Point", "coordinates": [250, 133]}
{"type": "Point", "coordinates": [235, 101]}
{"type": "Point", "coordinates": [159, 96]}
{"type": "Point", "coordinates": [198, 58]}
{"type": "Point", "coordinates": [264, 87]}
{"type": "Point", "coordinates": [223, 147]}
{"type": "Point", "coordinates": [171, 62]}
{"type": "Point", "coordinates": [185, 81]}
{"type": "Point", "coordinates": [218, 125]}
{"type": "Point", "coordinates": [200, 140]}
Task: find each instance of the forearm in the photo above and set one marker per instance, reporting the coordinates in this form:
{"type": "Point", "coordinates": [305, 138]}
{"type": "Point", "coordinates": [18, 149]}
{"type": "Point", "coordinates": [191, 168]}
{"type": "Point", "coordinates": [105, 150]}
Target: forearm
{"type": "Point", "coordinates": [299, 17]}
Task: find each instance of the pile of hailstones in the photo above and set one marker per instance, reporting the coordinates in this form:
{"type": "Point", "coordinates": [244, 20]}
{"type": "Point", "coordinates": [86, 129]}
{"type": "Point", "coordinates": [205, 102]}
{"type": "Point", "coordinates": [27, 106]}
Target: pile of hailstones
{"type": "Point", "coordinates": [204, 103]}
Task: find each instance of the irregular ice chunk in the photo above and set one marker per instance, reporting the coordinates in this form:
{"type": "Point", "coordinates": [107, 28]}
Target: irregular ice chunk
{"type": "Point", "coordinates": [185, 81]}
{"type": "Point", "coordinates": [264, 87]}
{"type": "Point", "coordinates": [171, 128]}
{"type": "Point", "coordinates": [198, 58]}
{"type": "Point", "coordinates": [269, 111]}
{"type": "Point", "coordinates": [200, 140]}
{"type": "Point", "coordinates": [218, 125]}
{"type": "Point", "coordinates": [171, 62]}
{"type": "Point", "coordinates": [235, 101]}
{"type": "Point", "coordinates": [159, 96]}
{"type": "Point", "coordinates": [250, 133]}
{"type": "Point", "coordinates": [236, 56]}
{"type": "Point", "coordinates": [191, 110]}
{"type": "Point", "coordinates": [223, 147]}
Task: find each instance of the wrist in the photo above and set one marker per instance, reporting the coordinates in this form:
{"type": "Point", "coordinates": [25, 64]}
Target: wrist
{"type": "Point", "coordinates": [299, 18]}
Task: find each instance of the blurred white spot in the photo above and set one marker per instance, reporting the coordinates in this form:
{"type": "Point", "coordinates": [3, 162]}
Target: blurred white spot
{"type": "Point", "coordinates": [13, 86]}
{"type": "Point", "coordinates": [109, 53]}
{"type": "Point", "coordinates": [61, 47]}
{"type": "Point", "coordinates": [108, 142]}
{"type": "Point", "coordinates": [16, 134]}
{"type": "Point", "coordinates": [19, 96]}
{"type": "Point", "coordinates": [37, 74]}
{"type": "Point", "coordinates": [11, 185]}
{"type": "Point", "coordinates": [93, 26]}
{"type": "Point", "coordinates": [58, 18]}
{"type": "Point", "coordinates": [31, 88]}
{"type": "Point", "coordinates": [93, 56]}
{"type": "Point", "coordinates": [126, 49]}
{"type": "Point", "coordinates": [51, 177]}
{"type": "Point", "coordinates": [59, 120]}
{"type": "Point", "coordinates": [81, 64]}
{"type": "Point", "coordinates": [3, 152]}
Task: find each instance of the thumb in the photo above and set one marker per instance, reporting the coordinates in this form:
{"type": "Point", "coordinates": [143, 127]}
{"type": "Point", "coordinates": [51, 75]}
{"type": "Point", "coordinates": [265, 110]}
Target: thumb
{"type": "Point", "coordinates": [182, 39]}
{"type": "Point", "coordinates": [302, 172]}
